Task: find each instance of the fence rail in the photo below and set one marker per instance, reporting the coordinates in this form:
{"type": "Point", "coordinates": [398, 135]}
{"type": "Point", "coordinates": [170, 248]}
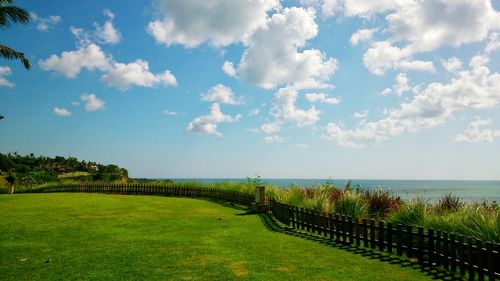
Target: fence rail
{"type": "Point", "coordinates": [430, 247]}
{"type": "Point", "coordinates": [455, 253]}
{"type": "Point", "coordinates": [152, 189]}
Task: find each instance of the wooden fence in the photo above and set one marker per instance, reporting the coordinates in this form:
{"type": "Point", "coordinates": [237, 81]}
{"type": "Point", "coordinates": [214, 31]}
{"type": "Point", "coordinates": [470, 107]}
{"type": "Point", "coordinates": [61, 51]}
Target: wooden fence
{"type": "Point", "coordinates": [431, 247]}
{"type": "Point", "coordinates": [455, 253]}
{"type": "Point", "coordinates": [153, 189]}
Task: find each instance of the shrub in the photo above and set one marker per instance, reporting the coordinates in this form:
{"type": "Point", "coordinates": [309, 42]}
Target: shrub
{"type": "Point", "coordinates": [449, 203]}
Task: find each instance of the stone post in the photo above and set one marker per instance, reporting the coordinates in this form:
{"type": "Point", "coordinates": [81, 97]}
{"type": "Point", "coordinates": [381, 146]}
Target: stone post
{"type": "Point", "coordinates": [260, 194]}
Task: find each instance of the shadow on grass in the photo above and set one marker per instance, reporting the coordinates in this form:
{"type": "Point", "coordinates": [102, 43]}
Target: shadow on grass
{"type": "Point", "coordinates": [435, 273]}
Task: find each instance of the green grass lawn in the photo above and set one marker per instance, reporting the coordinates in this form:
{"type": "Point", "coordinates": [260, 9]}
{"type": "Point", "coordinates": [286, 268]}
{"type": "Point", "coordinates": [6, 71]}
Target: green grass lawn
{"type": "Point", "coordinates": [112, 237]}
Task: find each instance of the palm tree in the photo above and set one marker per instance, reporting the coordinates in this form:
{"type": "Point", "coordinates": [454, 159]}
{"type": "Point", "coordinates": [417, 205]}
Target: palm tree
{"type": "Point", "coordinates": [11, 14]}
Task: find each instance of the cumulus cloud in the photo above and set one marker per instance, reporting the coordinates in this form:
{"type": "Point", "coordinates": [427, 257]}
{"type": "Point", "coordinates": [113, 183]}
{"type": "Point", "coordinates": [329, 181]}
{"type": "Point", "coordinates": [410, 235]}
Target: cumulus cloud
{"type": "Point", "coordinates": [137, 73]}
{"type": "Point", "coordinates": [119, 75]}
{"type": "Point", "coordinates": [402, 86]}
{"type": "Point", "coordinates": [476, 132]}
{"type": "Point", "coordinates": [285, 110]}
{"type": "Point", "coordinates": [321, 98]}
{"type": "Point", "coordinates": [254, 112]}
{"type": "Point", "coordinates": [62, 112]}
{"type": "Point", "coordinates": [107, 33]}
{"type": "Point", "coordinates": [5, 71]}
{"type": "Point", "coordinates": [221, 94]}
{"type": "Point", "coordinates": [383, 56]}
{"type": "Point", "coordinates": [271, 127]}
{"type": "Point", "coordinates": [70, 63]}
{"type": "Point", "coordinates": [349, 8]}
{"type": "Point", "coordinates": [362, 35]}
{"type": "Point", "coordinates": [274, 139]}
{"type": "Point", "coordinates": [273, 57]}
{"type": "Point", "coordinates": [218, 22]}
{"type": "Point", "coordinates": [472, 89]}
{"type": "Point", "coordinates": [229, 69]}
{"type": "Point", "coordinates": [453, 64]}
{"type": "Point", "coordinates": [92, 103]}
{"type": "Point", "coordinates": [207, 124]}
{"type": "Point", "coordinates": [44, 24]}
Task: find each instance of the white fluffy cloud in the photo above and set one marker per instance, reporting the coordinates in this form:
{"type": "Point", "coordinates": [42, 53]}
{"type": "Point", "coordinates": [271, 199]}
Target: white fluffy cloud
{"type": "Point", "coordinates": [62, 112]}
{"type": "Point", "coordinates": [349, 8]}
{"type": "Point", "coordinates": [362, 35]}
{"type": "Point", "coordinates": [321, 98]}
{"type": "Point", "coordinates": [476, 132]}
{"type": "Point", "coordinates": [170, 113]}
{"type": "Point", "coordinates": [271, 127]}
{"type": "Point", "coordinates": [272, 56]}
{"type": "Point", "coordinates": [70, 63]}
{"type": "Point", "coordinates": [44, 24]}
{"type": "Point", "coordinates": [402, 86]}
{"type": "Point", "coordinates": [221, 94]}
{"type": "Point", "coordinates": [472, 89]}
{"type": "Point", "coordinates": [284, 109]}
{"type": "Point", "coordinates": [137, 73]}
{"type": "Point", "coordinates": [207, 124]}
{"type": "Point", "coordinates": [229, 69]}
{"type": "Point", "coordinates": [453, 64]}
{"type": "Point", "coordinates": [383, 56]}
{"type": "Point", "coordinates": [92, 103]}
{"type": "Point", "coordinates": [361, 114]}
{"type": "Point", "coordinates": [5, 71]}
{"type": "Point", "coordinates": [493, 43]}
{"type": "Point", "coordinates": [217, 22]}
{"type": "Point", "coordinates": [107, 33]}
{"type": "Point", "coordinates": [120, 75]}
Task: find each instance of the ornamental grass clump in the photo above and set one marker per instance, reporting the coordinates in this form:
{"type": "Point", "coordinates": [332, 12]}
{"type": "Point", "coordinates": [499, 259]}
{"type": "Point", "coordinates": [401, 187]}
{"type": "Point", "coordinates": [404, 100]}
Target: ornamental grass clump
{"type": "Point", "coordinates": [380, 203]}
{"type": "Point", "coordinates": [449, 203]}
{"type": "Point", "coordinates": [411, 213]}
{"type": "Point", "coordinates": [350, 204]}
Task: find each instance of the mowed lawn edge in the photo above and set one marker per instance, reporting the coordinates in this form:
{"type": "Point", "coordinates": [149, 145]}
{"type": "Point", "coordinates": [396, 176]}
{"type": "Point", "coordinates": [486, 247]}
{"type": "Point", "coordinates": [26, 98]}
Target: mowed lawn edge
{"type": "Point", "coordinates": [67, 236]}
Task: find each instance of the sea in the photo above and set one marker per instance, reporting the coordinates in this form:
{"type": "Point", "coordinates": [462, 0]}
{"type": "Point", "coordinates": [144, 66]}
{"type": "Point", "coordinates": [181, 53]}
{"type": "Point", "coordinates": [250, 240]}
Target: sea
{"type": "Point", "coordinates": [431, 190]}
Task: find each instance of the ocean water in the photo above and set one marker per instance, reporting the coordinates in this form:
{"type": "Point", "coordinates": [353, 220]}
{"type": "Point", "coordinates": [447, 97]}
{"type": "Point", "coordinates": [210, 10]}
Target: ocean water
{"type": "Point", "coordinates": [431, 190]}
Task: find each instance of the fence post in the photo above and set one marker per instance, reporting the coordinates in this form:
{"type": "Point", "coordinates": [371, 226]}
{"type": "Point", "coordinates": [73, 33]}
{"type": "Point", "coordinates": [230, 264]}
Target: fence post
{"type": "Point", "coordinates": [420, 245]}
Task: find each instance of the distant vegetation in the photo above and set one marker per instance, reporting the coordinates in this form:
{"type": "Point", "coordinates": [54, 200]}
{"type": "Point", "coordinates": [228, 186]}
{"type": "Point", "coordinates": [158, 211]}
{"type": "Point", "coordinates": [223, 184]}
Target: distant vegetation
{"type": "Point", "coordinates": [29, 170]}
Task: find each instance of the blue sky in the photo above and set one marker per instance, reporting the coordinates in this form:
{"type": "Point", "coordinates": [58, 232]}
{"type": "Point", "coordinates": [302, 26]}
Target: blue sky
{"type": "Point", "coordinates": [284, 89]}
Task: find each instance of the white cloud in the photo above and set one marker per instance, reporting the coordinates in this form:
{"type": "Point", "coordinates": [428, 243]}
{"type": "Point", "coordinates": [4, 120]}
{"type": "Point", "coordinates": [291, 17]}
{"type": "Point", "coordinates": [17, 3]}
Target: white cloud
{"type": "Point", "coordinates": [120, 75]}
{"type": "Point", "coordinates": [472, 89]}
{"type": "Point", "coordinates": [272, 57]}
{"type": "Point", "coordinates": [228, 68]}
{"type": "Point", "coordinates": [453, 64]}
{"type": "Point", "coordinates": [207, 124]}
{"type": "Point", "coordinates": [274, 139]}
{"type": "Point", "coordinates": [493, 43]}
{"type": "Point", "coordinates": [92, 103]}
{"type": "Point", "coordinates": [271, 127]}
{"type": "Point", "coordinates": [44, 24]}
{"type": "Point", "coordinates": [402, 86]}
{"type": "Point", "coordinates": [137, 73]}
{"type": "Point", "coordinates": [361, 114]}
{"type": "Point", "coordinates": [349, 8]}
{"type": "Point", "coordinates": [217, 22]}
{"type": "Point", "coordinates": [383, 56]}
{"type": "Point", "coordinates": [62, 112]}
{"type": "Point", "coordinates": [107, 34]}
{"type": "Point", "coordinates": [221, 94]}
{"type": "Point", "coordinates": [476, 132]}
{"type": "Point", "coordinates": [362, 35]}
{"type": "Point", "coordinates": [321, 98]}
{"type": "Point", "coordinates": [70, 63]}
{"type": "Point", "coordinates": [284, 109]}
{"type": "Point", "coordinates": [170, 113]}
{"type": "Point", "coordinates": [302, 145]}
{"type": "Point", "coordinates": [5, 71]}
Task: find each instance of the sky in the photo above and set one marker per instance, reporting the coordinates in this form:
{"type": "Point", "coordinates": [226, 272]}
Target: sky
{"type": "Point", "coordinates": [382, 89]}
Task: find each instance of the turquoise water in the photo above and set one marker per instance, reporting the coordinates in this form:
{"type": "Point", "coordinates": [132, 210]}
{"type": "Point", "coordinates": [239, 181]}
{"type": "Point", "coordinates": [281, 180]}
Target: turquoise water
{"type": "Point", "coordinates": [431, 190]}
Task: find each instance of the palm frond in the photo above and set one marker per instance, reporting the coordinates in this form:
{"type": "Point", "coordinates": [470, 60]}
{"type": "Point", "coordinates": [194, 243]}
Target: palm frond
{"type": "Point", "coordinates": [11, 54]}
{"type": "Point", "coordinates": [11, 14]}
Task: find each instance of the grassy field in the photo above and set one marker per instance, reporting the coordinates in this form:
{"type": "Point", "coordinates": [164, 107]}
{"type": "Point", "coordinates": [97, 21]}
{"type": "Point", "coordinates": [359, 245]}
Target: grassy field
{"type": "Point", "coordinates": [112, 237]}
